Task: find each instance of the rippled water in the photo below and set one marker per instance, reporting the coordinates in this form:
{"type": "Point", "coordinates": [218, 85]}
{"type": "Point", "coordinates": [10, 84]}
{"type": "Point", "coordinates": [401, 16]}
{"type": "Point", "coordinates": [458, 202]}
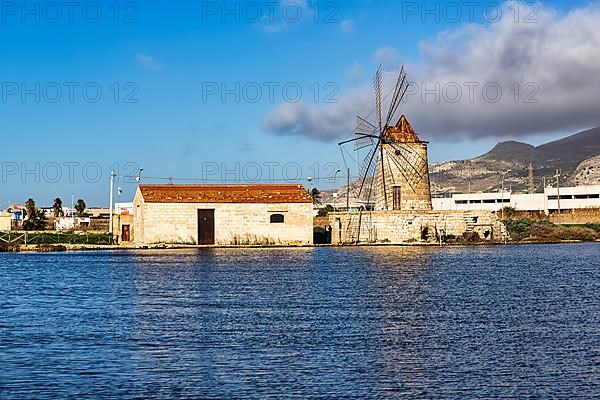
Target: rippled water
{"type": "Point", "coordinates": [511, 321]}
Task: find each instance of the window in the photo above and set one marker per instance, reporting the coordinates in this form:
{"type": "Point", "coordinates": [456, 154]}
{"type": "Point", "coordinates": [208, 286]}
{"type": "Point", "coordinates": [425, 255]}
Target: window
{"type": "Point", "coordinates": [461, 202]}
{"type": "Point", "coordinates": [397, 197]}
{"type": "Point", "coordinates": [587, 196]}
{"type": "Point", "coordinates": [489, 201]}
{"type": "Point", "coordinates": [277, 219]}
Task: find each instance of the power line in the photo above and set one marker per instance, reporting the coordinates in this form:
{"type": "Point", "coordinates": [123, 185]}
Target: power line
{"type": "Point", "coordinates": [173, 179]}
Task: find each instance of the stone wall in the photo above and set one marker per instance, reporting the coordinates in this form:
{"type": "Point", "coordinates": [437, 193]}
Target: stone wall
{"type": "Point", "coordinates": [5, 221]}
{"type": "Point", "coordinates": [235, 224]}
{"type": "Point", "coordinates": [411, 226]}
{"type": "Point", "coordinates": [576, 216]}
{"type": "Point", "coordinates": [405, 168]}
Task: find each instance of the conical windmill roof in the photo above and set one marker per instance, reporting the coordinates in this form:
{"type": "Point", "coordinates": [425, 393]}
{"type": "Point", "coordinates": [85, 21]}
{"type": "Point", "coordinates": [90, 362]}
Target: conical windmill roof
{"type": "Point", "coordinates": [402, 132]}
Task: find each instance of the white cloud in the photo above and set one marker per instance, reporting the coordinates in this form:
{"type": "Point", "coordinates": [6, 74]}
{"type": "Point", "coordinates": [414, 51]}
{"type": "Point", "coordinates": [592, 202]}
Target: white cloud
{"type": "Point", "coordinates": [386, 54]}
{"type": "Point", "coordinates": [319, 122]}
{"type": "Point", "coordinates": [347, 26]}
{"type": "Point", "coordinates": [555, 61]}
{"type": "Point", "coordinates": [281, 16]}
{"type": "Point", "coordinates": [148, 62]}
{"type": "Point", "coordinates": [355, 73]}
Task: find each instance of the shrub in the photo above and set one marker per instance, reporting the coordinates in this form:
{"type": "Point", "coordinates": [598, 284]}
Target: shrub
{"type": "Point", "coordinates": [48, 248]}
{"type": "Point", "coordinates": [9, 248]}
{"type": "Point", "coordinates": [546, 230]}
{"type": "Point", "coordinates": [323, 212]}
{"type": "Point", "coordinates": [471, 237]}
{"type": "Point", "coordinates": [509, 213]}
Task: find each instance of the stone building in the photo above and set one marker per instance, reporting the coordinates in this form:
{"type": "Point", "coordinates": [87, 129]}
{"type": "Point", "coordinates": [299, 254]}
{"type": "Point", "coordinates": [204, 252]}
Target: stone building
{"type": "Point", "coordinates": [5, 221]}
{"type": "Point", "coordinates": [402, 208]}
{"type": "Point", "coordinates": [222, 215]}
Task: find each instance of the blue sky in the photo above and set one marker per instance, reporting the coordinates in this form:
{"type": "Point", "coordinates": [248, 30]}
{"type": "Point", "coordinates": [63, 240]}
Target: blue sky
{"type": "Point", "coordinates": [154, 67]}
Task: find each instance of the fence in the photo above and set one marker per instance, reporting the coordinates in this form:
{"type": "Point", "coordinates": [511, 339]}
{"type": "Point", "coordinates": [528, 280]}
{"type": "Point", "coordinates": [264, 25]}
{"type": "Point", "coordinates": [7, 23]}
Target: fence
{"type": "Point", "coordinates": [26, 238]}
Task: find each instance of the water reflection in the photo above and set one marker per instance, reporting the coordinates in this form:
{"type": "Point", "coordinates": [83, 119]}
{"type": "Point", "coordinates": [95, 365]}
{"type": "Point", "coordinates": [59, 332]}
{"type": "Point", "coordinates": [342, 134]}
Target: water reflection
{"type": "Point", "coordinates": [371, 322]}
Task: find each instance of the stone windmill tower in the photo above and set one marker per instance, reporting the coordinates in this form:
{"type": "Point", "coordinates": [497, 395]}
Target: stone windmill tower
{"type": "Point", "coordinates": [395, 171]}
{"type": "Point", "coordinates": [402, 179]}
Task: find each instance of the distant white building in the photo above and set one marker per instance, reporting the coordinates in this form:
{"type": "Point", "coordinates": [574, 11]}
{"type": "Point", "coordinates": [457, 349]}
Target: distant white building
{"type": "Point", "coordinates": [570, 198]}
{"type": "Point", "coordinates": [124, 208]}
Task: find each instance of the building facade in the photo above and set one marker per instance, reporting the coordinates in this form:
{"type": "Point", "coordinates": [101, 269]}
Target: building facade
{"type": "Point", "coordinates": [553, 199]}
{"type": "Point", "coordinates": [5, 221]}
{"type": "Point", "coordinates": [222, 215]}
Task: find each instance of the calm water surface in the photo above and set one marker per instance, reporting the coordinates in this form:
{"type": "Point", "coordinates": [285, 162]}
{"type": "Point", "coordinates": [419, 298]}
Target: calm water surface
{"type": "Point", "coordinates": [514, 321]}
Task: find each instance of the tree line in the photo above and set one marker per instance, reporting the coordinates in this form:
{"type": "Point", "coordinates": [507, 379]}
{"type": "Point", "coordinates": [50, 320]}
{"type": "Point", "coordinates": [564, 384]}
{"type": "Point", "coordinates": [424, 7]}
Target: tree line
{"type": "Point", "coordinates": [34, 218]}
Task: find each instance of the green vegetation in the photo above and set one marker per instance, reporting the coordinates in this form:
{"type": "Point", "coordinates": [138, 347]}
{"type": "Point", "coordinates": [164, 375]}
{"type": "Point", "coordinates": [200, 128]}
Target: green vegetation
{"type": "Point", "coordinates": [57, 208]}
{"type": "Point", "coordinates": [9, 248]}
{"type": "Point", "coordinates": [465, 238]}
{"type": "Point", "coordinates": [323, 212]}
{"type": "Point", "coordinates": [508, 213]}
{"type": "Point", "coordinates": [35, 219]}
{"type": "Point", "coordinates": [43, 238]}
{"type": "Point", "coordinates": [544, 230]}
{"type": "Point", "coordinates": [316, 195]}
{"type": "Point", "coordinates": [80, 207]}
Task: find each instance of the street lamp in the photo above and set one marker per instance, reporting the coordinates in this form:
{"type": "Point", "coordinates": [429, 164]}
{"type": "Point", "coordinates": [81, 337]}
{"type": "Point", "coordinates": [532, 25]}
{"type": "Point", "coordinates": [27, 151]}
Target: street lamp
{"type": "Point", "coordinates": [335, 194]}
{"type": "Point", "coordinates": [503, 176]}
{"type": "Point", "coordinates": [139, 177]}
{"type": "Point", "coordinates": [557, 176]}
{"type": "Point", "coordinates": [113, 175]}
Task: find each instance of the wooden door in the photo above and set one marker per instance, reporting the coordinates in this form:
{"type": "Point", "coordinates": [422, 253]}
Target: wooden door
{"type": "Point", "coordinates": [397, 204]}
{"type": "Point", "coordinates": [206, 227]}
{"type": "Point", "coordinates": [125, 233]}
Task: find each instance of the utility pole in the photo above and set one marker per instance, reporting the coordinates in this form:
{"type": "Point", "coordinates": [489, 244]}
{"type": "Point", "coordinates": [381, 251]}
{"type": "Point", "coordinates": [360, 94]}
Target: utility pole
{"type": "Point", "coordinates": [335, 194]}
{"type": "Point", "coordinates": [469, 192]}
{"type": "Point", "coordinates": [348, 193]}
{"type": "Point", "coordinates": [112, 188]}
{"type": "Point", "coordinates": [558, 194]}
{"type": "Point", "coordinates": [502, 209]}
{"type": "Point", "coordinates": [545, 196]}
{"type": "Point", "coordinates": [470, 176]}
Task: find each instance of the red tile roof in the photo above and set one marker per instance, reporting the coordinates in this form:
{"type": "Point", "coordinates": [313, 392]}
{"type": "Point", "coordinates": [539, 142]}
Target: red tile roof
{"type": "Point", "coordinates": [402, 132]}
{"type": "Point", "coordinates": [225, 194]}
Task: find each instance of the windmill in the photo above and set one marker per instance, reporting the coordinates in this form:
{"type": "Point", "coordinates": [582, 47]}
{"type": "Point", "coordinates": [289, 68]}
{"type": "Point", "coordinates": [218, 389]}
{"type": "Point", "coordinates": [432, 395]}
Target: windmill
{"type": "Point", "coordinates": [394, 173]}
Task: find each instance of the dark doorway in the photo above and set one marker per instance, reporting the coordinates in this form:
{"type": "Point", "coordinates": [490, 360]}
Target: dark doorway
{"type": "Point", "coordinates": [206, 227]}
{"type": "Point", "coordinates": [125, 233]}
{"type": "Point", "coordinates": [397, 205]}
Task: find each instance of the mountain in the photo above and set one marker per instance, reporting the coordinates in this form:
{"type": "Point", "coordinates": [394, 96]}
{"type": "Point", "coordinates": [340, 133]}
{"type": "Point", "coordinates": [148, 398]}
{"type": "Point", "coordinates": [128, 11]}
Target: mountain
{"type": "Point", "coordinates": [573, 155]}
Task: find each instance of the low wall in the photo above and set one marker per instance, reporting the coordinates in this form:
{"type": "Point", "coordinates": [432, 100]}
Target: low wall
{"type": "Point", "coordinates": [412, 226]}
{"type": "Point", "coordinates": [578, 216]}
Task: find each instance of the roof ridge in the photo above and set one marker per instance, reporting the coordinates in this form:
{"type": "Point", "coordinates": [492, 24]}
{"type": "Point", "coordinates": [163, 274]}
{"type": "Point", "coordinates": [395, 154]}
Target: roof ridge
{"type": "Point", "coordinates": [219, 193]}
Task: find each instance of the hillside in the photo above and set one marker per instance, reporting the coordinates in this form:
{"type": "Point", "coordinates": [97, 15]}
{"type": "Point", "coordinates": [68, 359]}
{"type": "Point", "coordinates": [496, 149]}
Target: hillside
{"type": "Point", "coordinates": [484, 171]}
{"type": "Point", "coordinates": [578, 156]}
